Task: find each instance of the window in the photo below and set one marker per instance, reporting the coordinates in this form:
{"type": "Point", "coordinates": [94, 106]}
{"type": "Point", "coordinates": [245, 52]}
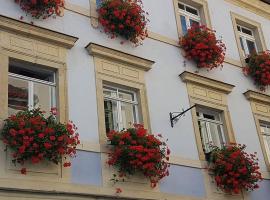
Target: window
{"type": "Point", "coordinates": [120, 108]}
{"type": "Point", "coordinates": [247, 40]}
{"type": "Point", "coordinates": [188, 16]}
{"type": "Point", "coordinates": [265, 132]}
{"type": "Point", "coordinates": [189, 12]}
{"type": "Point", "coordinates": [248, 35]}
{"type": "Point", "coordinates": [30, 87]}
{"type": "Point", "coordinates": [211, 128]}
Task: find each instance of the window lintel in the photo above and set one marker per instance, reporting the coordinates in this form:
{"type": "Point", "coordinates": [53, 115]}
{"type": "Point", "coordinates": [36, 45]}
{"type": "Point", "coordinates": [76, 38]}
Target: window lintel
{"type": "Point", "coordinates": [207, 82]}
{"type": "Point", "coordinates": [32, 31]}
{"type": "Point", "coordinates": [105, 52]}
{"type": "Point", "coordinates": [257, 96]}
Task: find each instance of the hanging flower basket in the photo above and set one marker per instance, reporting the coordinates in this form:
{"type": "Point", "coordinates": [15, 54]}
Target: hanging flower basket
{"type": "Point", "coordinates": [136, 151]}
{"type": "Point", "coordinates": [201, 45]}
{"type": "Point", "coordinates": [33, 137]}
{"type": "Point", "coordinates": [41, 9]}
{"type": "Point", "coordinates": [234, 169]}
{"type": "Point", "coordinates": [258, 67]}
{"type": "Point", "coordinates": [124, 18]}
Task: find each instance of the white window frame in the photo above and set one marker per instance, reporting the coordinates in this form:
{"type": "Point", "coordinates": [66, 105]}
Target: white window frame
{"type": "Point", "coordinates": [119, 124]}
{"type": "Point", "coordinates": [188, 15]}
{"type": "Point", "coordinates": [263, 134]}
{"type": "Point", "coordinates": [30, 88]}
{"type": "Point", "coordinates": [207, 143]}
{"type": "Point", "coordinates": [246, 37]}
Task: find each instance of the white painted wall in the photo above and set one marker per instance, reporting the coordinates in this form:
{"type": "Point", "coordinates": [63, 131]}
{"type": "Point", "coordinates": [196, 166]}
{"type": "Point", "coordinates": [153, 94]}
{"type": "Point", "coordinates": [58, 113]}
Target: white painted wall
{"type": "Point", "coordinates": [165, 91]}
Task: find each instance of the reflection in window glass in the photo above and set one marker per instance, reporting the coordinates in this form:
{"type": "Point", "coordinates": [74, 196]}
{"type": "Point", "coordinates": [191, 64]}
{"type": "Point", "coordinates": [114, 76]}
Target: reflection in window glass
{"type": "Point", "coordinates": [251, 46]}
{"type": "Point", "coordinates": [265, 131]}
{"type": "Point", "coordinates": [183, 24]}
{"type": "Point", "coordinates": [120, 107]}
{"type": "Point", "coordinates": [17, 95]}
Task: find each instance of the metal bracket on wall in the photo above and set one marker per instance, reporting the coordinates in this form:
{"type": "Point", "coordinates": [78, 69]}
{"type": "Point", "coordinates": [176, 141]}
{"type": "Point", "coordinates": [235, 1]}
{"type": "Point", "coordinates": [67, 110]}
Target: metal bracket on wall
{"type": "Point", "coordinates": [175, 116]}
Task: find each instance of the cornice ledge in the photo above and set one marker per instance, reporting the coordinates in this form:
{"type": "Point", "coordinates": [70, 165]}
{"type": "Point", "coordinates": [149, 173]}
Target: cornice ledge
{"type": "Point", "coordinates": [22, 28]}
{"type": "Point", "coordinates": [255, 6]}
{"type": "Point", "coordinates": [98, 50]}
{"type": "Point", "coordinates": [257, 96]}
{"type": "Point", "coordinates": [207, 82]}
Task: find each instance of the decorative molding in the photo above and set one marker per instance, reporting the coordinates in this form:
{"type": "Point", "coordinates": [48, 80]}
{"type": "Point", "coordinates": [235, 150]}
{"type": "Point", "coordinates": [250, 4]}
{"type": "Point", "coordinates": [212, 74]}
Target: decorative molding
{"type": "Point", "coordinates": [105, 52]}
{"type": "Point", "coordinates": [35, 32]}
{"type": "Point", "coordinates": [255, 6]}
{"type": "Point", "coordinates": [257, 96]}
{"type": "Point", "coordinates": [209, 83]}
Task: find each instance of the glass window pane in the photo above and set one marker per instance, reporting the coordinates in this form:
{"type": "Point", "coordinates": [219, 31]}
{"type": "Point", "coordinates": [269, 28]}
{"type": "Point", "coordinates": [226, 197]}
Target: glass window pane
{"type": "Point", "coordinates": [110, 110]}
{"type": "Point", "coordinates": [251, 46]}
{"type": "Point", "coordinates": [43, 97]}
{"type": "Point", "coordinates": [126, 95]}
{"type": "Point", "coordinates": [266, 140]}
{"type": "Point", "coordinates": [246, 31]}
{"type": "Point", "coordinates": [128, 115]}
{"type": "Point", "coordinates": [181, 6]}
{"type": "Point", "coordinates": [183, 24]}
{"type": "Point", "coordinates": [17, 95]}
{"type": "Point", "coordinates": [193, 22]}
{"type": "Point", "coordinates": [192, 10]}
{"type": "Point", "coordinates": [238, 28]}
{"type": "Point", "coordinates": [242, 43]}
{"type": "Point", "coordinates": [110, 92]}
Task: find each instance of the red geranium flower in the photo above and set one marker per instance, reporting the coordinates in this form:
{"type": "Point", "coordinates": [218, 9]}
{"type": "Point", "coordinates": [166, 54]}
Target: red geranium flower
{"type": "Point", "coordinates": [41, 8]}
{"type": "Point", "coordinates": [39, 138]}
{"type": "Point", "coordinates": [124, 18]}
{"type": "Point", "coordinates": [201, 45]}
{"type": "Point", "coordinates": [234, 169]}
{"type": "Point", "coordinates": [258, 67]}
{"type": "Point", "coordinates": [136, 151]}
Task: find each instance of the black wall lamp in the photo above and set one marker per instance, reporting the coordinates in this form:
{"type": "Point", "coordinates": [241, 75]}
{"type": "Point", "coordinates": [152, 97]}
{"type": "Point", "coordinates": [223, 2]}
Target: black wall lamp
{"type": "Point", "coordinates": [175, 116]}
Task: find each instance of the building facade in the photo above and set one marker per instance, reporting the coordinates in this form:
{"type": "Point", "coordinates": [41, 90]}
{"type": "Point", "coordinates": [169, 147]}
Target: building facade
{"type": "Point", "coordinates": [101, 84]}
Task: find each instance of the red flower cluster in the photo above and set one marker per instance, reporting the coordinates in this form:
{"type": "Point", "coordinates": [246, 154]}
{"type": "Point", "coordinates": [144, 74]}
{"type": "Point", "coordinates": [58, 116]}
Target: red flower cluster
{"type": "Point", "coordinates": [234, 169]}
{"type": "Point", "coordinates": [258, 68]}
{"type": "Point", "coordinates": [124, 18]}
{"type": "Point", "coordinates": [201, 45]}
{"type": "Point", "coordinates": [41, 8]}
{"type": "Point", "coordinates": [32, 136]}
{"type": "Point", "coordinates": [136, 151]}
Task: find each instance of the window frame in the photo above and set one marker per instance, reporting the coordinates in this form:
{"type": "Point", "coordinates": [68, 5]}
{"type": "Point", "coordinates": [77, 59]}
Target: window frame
{"type": "Point", "coordinates": [206, 110]}
{"type": "Point", "coordinates": [119, 101]}
{"type": "Point", "coordinates": [200, 5]}
{"type": "Point", "coordinates": [31, 81]}
{"type": "Point", "coordinates": [255, 27]}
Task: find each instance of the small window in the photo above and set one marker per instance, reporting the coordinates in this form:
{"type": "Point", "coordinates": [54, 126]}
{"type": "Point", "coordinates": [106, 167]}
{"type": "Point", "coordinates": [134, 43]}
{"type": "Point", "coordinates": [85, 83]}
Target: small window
{"type": "Point", "coordinates": [30, 86]}
{"type": "Point", "coordinates": [211, 128]}
{"type": "Point", "coordinates": [188, 16]}
{"type": "Point", "coordinates": [265, 132]}
{"type": "Point", "coordinates": [120, 108]}
{"type": "Point", "coordinates": [247, 40]}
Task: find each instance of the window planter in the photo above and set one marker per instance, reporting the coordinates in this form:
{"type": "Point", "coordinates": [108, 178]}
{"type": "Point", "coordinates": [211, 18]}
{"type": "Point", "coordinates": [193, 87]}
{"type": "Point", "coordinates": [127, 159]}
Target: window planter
{"type": "Point", "coordinates": [234, 169]}
{"type": "Point", "coordinates": [32, 137]}
{"type": "Point", "coordinates": [41, 9]}
{"type": "Point", "coordinates": [201, 45]}
{"type": "Point", "coordinates": [124, 18]}
{"type": "Point", "coordinates": [136, 152]}
{"type": "Point", "coordinates": [258, 67]}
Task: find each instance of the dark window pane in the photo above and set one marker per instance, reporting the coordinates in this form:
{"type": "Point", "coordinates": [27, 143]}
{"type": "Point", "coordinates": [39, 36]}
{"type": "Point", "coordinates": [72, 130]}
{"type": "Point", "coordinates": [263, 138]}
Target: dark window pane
{"type": "Point", "coordinates": [238, 28]}
{"type": "Point", "coordinates": [209, 116]}
{"type": "Point", "coordinates": [181, 6]}
{"type": "Point", "coordinates": [193, 22]}
{"type": "Point", "coordinates": [192, 10]}
{"type": "Point", "coordinates": [251, 46]}
{"type": "Point", "coordinates": [246, 31]}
